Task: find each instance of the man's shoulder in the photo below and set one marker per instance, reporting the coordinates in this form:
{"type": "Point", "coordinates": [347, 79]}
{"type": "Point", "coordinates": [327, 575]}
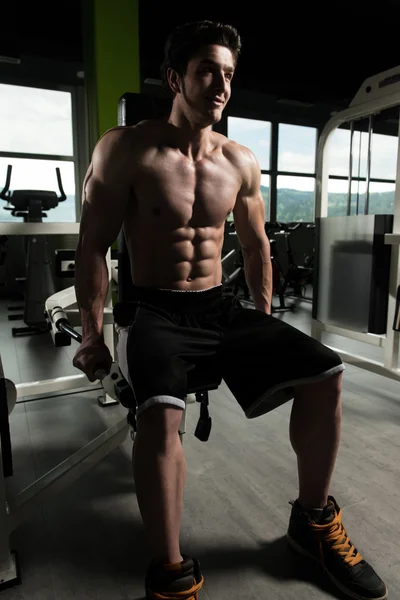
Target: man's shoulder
{"type": "Point", "coordinates": [240, 155]}
{"type": "Point", "coordinates": [129, 132]}
{"type": "Point", "coordinates": [126, 139]}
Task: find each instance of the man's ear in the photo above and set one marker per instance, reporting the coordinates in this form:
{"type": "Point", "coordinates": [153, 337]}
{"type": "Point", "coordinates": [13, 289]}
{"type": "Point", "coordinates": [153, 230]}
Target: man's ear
{"type": "Point", "coordinates": [174, 81]}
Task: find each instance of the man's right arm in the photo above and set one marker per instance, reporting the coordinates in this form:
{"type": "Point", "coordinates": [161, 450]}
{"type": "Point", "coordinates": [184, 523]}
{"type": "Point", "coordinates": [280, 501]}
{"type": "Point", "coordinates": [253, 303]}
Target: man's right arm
{"type": "Point", "coordinates": [106, 191]}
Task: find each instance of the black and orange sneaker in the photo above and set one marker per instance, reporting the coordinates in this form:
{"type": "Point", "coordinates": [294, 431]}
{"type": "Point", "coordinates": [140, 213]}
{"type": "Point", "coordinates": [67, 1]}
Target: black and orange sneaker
{"type": "Point", "coordinates": [178, 581]}
{"type": "Point", "coordinates": [324, 539]}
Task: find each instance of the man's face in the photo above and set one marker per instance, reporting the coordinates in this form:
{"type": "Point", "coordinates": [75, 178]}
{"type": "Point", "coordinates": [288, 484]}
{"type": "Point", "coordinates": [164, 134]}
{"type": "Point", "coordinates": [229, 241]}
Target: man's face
{"type": "Point", "coordinates": [206, 86]}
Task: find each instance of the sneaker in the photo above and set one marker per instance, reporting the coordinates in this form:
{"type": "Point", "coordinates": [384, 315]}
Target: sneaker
{"type": "Point", "coordinates": [324, 539]}
{"type": "Point", "coordinates": [179, 581]}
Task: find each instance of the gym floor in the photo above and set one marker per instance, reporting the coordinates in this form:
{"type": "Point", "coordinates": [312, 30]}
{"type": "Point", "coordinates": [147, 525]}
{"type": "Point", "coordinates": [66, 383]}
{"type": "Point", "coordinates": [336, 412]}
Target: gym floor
{"type": "Point", "coordinates": [87, 543]}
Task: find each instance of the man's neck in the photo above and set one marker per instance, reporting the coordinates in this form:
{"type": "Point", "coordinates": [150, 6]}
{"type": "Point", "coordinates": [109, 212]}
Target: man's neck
{"type": "Point", "coordinates": [194, 139]}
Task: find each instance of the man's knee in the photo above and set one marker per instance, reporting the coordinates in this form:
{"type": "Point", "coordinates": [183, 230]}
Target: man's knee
{"type": "Point", "coordinates": [330, 386]}
{"type": "Point", "coordinates": [160, 420]}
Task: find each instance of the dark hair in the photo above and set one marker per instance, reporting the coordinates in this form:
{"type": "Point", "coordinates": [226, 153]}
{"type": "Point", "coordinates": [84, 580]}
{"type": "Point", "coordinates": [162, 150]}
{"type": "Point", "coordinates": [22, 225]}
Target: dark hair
{"type": "Point", "coordinates": [186, 40]}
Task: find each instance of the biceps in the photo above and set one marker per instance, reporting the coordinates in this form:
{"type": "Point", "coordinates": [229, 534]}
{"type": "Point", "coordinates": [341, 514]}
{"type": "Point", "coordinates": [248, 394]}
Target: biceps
{"type": "Point", "coordinates": [249, 218]}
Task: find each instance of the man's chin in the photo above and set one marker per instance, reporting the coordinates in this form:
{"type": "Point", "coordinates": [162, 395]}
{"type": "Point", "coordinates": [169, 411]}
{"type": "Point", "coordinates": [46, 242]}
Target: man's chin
{"type": "Point", "coordinates": [213, 116]}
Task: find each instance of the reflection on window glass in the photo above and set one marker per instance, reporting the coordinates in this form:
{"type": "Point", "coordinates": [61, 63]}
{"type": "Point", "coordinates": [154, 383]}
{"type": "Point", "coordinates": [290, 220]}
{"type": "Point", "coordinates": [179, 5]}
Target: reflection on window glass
{"type": "Point", "coordinates": [295, 200]}
{"type": "Point", "coordinates": [338, 147]}
{"type": "Point", "coordinates": [381, 197]}
{"type": "Point", "coordinates": [296, 148]}
{"type": "Point", "coordinates": [35, 120]}
{"type": "Point", "coordinates": [265, 194]}
{"type": "Point", "coordinates": [36, 174]}
{"type": "Point", "coordinates": [338, 193]}
{"type": "Point", "coordinates": [383, 154]}
{"type": "Point", "coordinates": [255, 135]}
{"type": "Point", "coordinates": [339, 153]}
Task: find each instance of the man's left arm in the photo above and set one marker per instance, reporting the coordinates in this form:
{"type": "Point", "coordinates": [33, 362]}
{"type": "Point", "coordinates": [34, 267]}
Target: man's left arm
{"type": "Point", "coordinates": [249, 218]}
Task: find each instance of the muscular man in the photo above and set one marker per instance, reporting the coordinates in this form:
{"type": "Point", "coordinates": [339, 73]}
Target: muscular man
{"type": "Point", "coordinates": [171, 185]}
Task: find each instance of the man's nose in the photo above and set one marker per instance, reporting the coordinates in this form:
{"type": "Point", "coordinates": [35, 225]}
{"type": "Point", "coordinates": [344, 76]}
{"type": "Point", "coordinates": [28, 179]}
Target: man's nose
{"type": "Point", "coordinates": [220, 83]}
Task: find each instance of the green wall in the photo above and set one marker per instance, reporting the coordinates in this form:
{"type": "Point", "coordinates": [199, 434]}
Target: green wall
{"type": "Point", "coordinates": [111, 54]}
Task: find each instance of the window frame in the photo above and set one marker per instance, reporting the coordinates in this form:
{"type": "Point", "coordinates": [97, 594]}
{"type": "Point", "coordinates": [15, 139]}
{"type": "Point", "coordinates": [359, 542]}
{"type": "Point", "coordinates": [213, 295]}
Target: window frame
{"type": "Point", "coordinates": [79, 142]}
{"type": "Point", "coordinates": [273, 172]}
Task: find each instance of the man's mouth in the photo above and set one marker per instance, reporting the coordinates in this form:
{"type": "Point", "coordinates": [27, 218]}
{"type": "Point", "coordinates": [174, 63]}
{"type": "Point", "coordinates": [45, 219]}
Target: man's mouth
{"type": "Point", "coordinates": [216, 101]}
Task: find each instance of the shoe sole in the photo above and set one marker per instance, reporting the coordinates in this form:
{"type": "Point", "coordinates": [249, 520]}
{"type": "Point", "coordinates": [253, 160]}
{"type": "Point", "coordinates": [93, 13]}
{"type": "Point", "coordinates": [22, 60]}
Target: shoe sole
{"type": "Point", "coordinates": [337, 583]}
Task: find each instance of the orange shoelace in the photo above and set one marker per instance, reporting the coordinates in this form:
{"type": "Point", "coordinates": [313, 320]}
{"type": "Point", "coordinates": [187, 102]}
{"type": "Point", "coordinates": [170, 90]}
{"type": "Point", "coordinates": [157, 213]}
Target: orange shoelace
{"type": "Point", "coordinates": [192, 594]}
{"type": "Point", "coordinates": [335, 534]}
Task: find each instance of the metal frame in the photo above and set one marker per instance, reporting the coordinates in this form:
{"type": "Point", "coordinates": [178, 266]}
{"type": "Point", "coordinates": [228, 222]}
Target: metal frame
{"type": "Point", "coordinates": [59, 385]}
{"type": "Point", "coordinates": [13, 511]}
{"type": "Point", "coordinates": [377, 93]}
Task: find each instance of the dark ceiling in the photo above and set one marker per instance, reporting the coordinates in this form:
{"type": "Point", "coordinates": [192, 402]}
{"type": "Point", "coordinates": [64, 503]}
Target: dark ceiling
{"type": "Point", "coordinates": [303, 51]}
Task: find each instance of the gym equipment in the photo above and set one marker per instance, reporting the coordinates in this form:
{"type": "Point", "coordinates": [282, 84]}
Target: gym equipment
{"type": "Point", "coordinates": [289, 278]}
{"type": "Point", "coordinates": [30, 204]}
{"type": "Point", "coordinates": [357, 256]}
{"type": "Point", "coordinates": [15, 510]}
{"type": "Point", "coordinates": [30, 391]}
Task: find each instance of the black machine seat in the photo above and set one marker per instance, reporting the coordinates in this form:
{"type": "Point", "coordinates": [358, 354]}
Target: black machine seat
{"type": "Point", "coordinates": [30, 204]}
{"type": "Point", "coordinates": [21, 199]}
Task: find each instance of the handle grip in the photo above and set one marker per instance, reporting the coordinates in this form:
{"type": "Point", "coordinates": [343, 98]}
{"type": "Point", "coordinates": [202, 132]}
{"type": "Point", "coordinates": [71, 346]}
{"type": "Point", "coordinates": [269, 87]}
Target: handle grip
{"type": "Point", "coordinates": [100, 374]}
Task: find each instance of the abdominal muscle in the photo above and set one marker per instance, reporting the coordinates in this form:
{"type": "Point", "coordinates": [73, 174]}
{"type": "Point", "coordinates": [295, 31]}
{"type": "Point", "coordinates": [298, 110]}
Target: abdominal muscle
{"type": "Point", "coordinates": [184, 259]}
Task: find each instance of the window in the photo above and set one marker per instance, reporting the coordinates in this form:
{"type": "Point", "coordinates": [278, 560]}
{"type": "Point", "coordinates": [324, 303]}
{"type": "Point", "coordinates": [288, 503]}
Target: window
{"type": "Point", "coordinates": [296, 154]}
{"type": "Point", "coordinates": [255, 135]}
{"type": "Point", "coordinates": [381, 198]}
{"type": "Point", "coordinates": [338, 192]}
{"type": "Point", "coordinates": [33, 174]}
{"type": "Point", "coordinates": [36, 137]}
{"type": "Point", "coordinates": [296, 148]}
{"type": "Point", "coordinates": [383, 168]}
{"type": "Point", "coordinates": [295, 201]}
{"type": "Point", "coordinates": [384, 156]}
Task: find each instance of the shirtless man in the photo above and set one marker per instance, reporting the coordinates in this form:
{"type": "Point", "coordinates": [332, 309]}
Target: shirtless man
{"type": "Point", "coordinates": [171, 184]}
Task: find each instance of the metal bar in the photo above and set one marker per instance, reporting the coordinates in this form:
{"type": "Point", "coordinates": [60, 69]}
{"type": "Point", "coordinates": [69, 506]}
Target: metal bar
{"type": "Point", "coordinates": [50, 386]}
{"type": "Point", "coordinates": [295, 174]}
{"type": "Point", "coordinates": [350, 168]}
{"type": "Point", "coordinates": [374, 179]}
{"type": "Point", "coordinates": [65, 473]}
{"type": "Point", "coordinates": [392, 238]}
{"type": "Point", "coordinates": [70, 331]}
{"type": "Point", "coordinates": [273, 187]}
{"type": "Point", "coordinates": [359, 169]}
{"type": "Point", "coordinates": [29, 155]}
{"type": "Point", "coordinates": [367, 338]}
{"type": "Point", "coordinates": [370, 131]}
{"type": "Point", "coordinates": [367, 364]}
{"type": "Point", "coordinates": [8, 228]}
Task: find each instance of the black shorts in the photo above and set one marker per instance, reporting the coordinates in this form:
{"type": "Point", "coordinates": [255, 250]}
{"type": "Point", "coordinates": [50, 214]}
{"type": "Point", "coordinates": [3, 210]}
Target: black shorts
{"type": "Point", "coordinates": [170, 342]}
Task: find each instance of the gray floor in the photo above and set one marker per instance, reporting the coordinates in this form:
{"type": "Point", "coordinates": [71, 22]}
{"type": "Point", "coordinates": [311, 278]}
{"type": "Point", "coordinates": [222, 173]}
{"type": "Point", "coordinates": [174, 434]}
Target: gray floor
{"type": "Point", "coordinates": [88, 544]}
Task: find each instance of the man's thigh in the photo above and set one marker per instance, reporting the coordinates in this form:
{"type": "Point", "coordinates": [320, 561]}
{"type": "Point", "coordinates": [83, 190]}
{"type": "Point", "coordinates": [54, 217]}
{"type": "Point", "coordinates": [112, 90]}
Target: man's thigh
{"type": "Point", "coordinates": [161, 357]}
{"type": "Point", "coordinates": [263, 358]}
